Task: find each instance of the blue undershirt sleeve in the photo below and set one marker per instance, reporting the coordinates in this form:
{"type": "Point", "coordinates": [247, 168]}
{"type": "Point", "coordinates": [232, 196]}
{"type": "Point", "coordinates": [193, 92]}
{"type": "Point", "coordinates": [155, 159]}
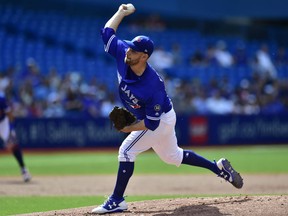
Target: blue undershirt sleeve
{"type": "Point", "coordinates": [151, 124]}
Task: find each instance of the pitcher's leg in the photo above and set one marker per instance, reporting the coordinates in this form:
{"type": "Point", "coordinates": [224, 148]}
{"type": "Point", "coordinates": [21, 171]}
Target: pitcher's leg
{"type": "Point", "coordinates": [167, 148]}
{"type": "Point", "coordinates": [125, 171]}
{"type": "Point", "coordinates": [193, 159]}
{"type": "Point", "coordinates": [134, 144]}
{"type": "Point", "coordinates": [170, 153]}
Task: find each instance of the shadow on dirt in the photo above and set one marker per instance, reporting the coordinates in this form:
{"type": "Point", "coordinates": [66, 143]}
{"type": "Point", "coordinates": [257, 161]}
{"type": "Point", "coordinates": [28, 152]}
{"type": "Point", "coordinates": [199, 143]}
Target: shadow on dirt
{"type": "Point", "coordinates": [203, 209]}
{"type": "Point", "coordinates": [193, 210]}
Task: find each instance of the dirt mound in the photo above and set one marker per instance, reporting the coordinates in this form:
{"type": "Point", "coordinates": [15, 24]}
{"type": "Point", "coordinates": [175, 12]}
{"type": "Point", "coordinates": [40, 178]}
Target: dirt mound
{"type": "Point", "coordinates": [238, 206]}
{"type": "Point", "coordinates": [143, 185]}
{"type": "Point", "coordinates": [242, 202]}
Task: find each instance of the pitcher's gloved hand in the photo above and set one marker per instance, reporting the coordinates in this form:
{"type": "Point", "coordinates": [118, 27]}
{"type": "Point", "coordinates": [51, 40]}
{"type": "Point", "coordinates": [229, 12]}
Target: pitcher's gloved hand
{"type": "Point", "coordinates": [121, 117]}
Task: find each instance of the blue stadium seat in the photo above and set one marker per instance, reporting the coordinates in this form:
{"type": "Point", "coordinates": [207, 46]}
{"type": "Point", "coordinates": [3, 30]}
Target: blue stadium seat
{"type": "Point", "coordinates": [74, 43]}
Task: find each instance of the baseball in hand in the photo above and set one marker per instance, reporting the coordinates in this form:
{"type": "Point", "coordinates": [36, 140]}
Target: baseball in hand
{"type": "Point", "coordinates": [130, 7]}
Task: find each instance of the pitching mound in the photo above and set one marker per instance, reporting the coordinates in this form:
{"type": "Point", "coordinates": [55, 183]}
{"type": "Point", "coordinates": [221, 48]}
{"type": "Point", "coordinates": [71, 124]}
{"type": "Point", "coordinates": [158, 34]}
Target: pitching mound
{"type": "Point", "coordinates": [238, 206]}
{"type": "Point", "coordinates": [239, 202]}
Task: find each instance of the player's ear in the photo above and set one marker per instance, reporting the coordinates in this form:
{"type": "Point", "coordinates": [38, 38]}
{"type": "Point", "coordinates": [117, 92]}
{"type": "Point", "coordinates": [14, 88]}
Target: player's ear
{"type": "Point", "coordinates": [145, 56]}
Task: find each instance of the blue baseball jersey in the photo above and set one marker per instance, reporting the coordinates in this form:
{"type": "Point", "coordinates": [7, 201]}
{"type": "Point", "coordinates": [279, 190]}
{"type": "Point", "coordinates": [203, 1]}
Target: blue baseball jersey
{"type": "Point", "coordinates": [3, 108]}
{"type": "Point", "coordinates": [145, 96]}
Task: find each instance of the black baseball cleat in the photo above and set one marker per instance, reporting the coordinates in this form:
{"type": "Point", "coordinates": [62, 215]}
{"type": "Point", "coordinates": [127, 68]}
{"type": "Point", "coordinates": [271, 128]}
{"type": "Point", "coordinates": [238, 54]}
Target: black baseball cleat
{"type": "Point", "coordinates": [229, 174]}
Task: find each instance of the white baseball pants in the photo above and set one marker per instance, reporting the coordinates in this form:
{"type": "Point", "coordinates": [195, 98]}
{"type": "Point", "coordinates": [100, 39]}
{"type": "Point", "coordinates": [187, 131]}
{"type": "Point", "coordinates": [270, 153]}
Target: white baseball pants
{"type": "Point", "coordinates": [163, 141]}
{"type": "Point", "coordinates": [4, 129]}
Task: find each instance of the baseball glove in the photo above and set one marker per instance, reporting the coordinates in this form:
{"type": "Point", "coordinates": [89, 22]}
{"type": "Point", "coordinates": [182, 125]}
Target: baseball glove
{"type": "Point", "coordinates": [121, 117]}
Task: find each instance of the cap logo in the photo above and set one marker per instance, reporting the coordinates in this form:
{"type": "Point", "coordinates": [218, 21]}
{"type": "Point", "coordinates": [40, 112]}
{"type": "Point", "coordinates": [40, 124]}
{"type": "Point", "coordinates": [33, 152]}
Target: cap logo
{"type": "Point", "coordinates": [138, 39]}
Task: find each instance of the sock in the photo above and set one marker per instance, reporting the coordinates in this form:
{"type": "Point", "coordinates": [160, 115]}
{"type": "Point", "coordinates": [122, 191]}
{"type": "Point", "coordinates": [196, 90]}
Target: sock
{"type": "Point", "coordinates": [125, 171]}
{"type": "Point", "coordinates": [16, 151]}
{"type": "Point", "coordinates": [193, 159]}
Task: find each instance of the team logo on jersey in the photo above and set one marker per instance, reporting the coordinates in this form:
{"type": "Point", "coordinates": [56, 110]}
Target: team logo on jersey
{"type": "Point", "coordinates": [135, 106]}
{"type": "Point", "coordinates": [131, 97]}
{"type": "Point", "coordinates": [129, 94]}
{"type": "Point", "coordinates": [157, 107]}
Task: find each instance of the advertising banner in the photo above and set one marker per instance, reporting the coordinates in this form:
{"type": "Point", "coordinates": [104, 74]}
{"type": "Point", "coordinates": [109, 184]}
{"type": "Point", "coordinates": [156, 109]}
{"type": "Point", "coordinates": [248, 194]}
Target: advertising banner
{"type": "Point", "coordinates": [70, 133]}
{"type": "Point", "coordinates": [238, 129]}
{"type": "Point", "coordinates": [190, 131]}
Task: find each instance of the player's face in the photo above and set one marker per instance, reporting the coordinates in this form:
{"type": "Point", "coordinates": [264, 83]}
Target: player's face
{"type": "Point", "coordinates": [132, 57]}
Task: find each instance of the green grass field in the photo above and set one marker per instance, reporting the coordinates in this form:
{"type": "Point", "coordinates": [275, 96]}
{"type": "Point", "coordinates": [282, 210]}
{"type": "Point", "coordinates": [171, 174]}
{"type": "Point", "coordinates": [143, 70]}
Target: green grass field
{"type": "Point", "coordinates": [253, 159]}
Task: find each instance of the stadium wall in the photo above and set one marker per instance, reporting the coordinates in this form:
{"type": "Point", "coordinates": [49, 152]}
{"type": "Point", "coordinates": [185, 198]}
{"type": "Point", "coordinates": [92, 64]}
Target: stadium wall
{"type": "Point", "coordinates": [191, 131]}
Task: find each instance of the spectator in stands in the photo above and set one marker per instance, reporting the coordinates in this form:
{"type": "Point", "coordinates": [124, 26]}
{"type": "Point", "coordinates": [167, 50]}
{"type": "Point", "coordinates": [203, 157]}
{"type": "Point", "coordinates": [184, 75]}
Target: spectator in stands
{"type": "Point", "coordinates": [183, 96]}
{"type": "Point", "coordinates": [108, 104]}
{"type": "Point", "coordinates": [199, 102]}
{"type": "Point", "coordinates": [91, 106]}
{"type": "Point", "coordinates": [42, 89]}
{"type": "Point", "coordinates": [19, 109]}
{"type": "Point", "coordinates": [245, 100]}
{"type": "Point", "coordinates": [217, 104]}
{"type": "Point", "coordinates": [249, 107]}
{"type": "Point", "coordinates": [54, 107]}
{"type": "Point", "coordinates": [31, 73]}
{"type": "Point", "coordinates": [71, 94]}
{"type": "Point", "coordinates": [172, 84]}
{"type": "Point", "coordinates": [36, 108]}
{"type": "Point", "coordinates": [222, 55]}
{"type": "Point", "coordinates": [90, 100]}
{"type": "Point", "coordinates": [263, 64]}
{"type": "Point", "coordinates": [26, 93]}
{"type": "Point", "coordinates": [72, 104]}
{"type": "Point", "coordinates": [54, 79]}
{"type": "Point", "coordinates": [271, 104]}
{"type": "Point", "coordinates": [4, 82]}
{"type": "Point", "coordinates": [197, 58]}
{"type": "Point", "coordinates": [161, 60]}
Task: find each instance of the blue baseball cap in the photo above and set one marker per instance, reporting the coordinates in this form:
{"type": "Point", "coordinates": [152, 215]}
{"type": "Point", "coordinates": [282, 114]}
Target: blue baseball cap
{"type": "Point", "coordinates": [141, 43]}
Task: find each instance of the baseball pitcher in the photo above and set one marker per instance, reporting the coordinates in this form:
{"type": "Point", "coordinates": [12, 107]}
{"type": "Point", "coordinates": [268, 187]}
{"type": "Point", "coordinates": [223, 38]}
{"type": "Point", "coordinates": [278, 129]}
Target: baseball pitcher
{"type": "Point", "coordinates": [142, 92]}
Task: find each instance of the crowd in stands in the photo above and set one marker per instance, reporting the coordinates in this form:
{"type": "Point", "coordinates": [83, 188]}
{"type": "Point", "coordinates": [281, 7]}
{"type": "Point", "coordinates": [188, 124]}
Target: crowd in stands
{"type": "Point", "coordinates": [262, 91]}
{"type": "Point", "coordinates": [33, 93]}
